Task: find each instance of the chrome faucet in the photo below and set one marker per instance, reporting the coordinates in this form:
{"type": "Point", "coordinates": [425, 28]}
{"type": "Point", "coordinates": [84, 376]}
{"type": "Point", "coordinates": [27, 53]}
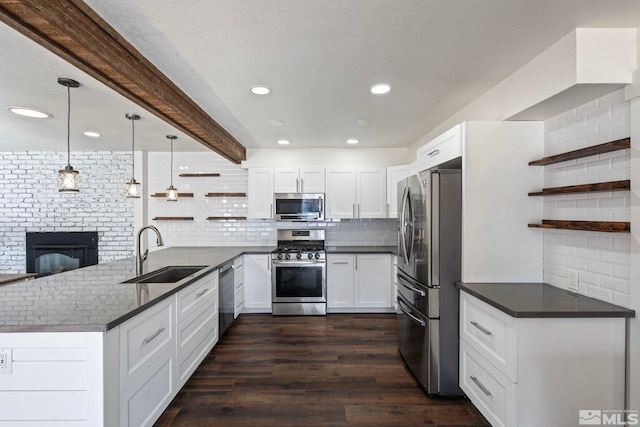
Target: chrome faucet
{"type": "Point", "coordinates": [140, 259]}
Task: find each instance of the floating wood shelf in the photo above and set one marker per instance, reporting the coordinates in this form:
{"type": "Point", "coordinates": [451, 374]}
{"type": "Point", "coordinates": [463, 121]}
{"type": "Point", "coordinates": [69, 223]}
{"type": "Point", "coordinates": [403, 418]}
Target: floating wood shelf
{"type": "Point", "coordinates": [198, 175]}
{"type": "Point", "coordinates": [607, 147]}
{"type": "Point", "coordinates": [165, 195]}
{"type": "Point", "coordinates": [603, 226]}
{"type": "Point", "coordinates": [173, 218]}
{"type": "Point", "coordinates": [226, 195]}
{"type": "Point", "coordinates": [585, 188]}
{"type": "Point", "coordinates": [222, 218]}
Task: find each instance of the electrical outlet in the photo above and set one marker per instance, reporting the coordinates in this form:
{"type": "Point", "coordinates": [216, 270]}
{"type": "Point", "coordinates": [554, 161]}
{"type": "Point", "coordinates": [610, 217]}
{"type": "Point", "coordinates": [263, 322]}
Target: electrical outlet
{"type": "Point", "coordinates": [572, 280]}
{"type": "Point", "coordinates": [5, 361]}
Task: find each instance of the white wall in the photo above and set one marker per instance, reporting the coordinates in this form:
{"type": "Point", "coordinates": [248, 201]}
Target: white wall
{"type": "Point", "coordinates": [30, 201]}
{"type": "Point", "coordinates": [601, 260]}
{"type": "Point", "coordinates": [327, 157]}
{"type": "Point", "coordinates": [233, 179]}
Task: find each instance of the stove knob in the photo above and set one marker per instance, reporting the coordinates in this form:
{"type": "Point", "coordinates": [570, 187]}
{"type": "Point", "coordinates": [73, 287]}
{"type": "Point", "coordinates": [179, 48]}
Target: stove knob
{"type": "Point", "coordinates": [310, 255]}
{"type": "Point", "coordinates": [298, 255]}
{"type": "Point", "coordinates": [317, 255]}
{"type": "Point", "coordinates": [279, 256]}
{"type": "Point", "coordinates": [287, 256]}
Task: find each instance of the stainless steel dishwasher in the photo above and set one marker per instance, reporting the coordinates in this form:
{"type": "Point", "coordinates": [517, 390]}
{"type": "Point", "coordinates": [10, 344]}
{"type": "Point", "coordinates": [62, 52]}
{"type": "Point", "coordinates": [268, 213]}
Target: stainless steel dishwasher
{"type": "Point", "coordinates": [226, 297]}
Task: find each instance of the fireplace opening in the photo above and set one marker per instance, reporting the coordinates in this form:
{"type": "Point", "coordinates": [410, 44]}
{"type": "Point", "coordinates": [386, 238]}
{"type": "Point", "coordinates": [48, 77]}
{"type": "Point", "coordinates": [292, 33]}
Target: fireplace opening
{"type": "Point", "coordinates": [55, 252]}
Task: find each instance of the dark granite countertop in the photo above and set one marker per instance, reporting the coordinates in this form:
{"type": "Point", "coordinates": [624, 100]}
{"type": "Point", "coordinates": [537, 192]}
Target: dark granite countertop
{"type": "Point", "coordinates": [536, 300]}
{"type": "Point", "coordinates": [361, 249]}
{"type": "Point", "coordinates": [94, 299]}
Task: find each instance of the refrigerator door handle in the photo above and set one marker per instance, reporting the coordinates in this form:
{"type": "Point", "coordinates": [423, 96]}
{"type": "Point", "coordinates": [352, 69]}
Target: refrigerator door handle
{"type": "Point", "coordinates": [403, 226]}
{"type": "Point", "coordinates": [411, 316]}
{"type": "Point", "coordinates": [405, 283]}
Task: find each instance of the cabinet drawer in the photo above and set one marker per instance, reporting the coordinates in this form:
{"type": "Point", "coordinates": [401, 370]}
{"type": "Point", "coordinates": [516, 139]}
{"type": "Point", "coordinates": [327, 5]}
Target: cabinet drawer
{"type": "Point", "coordinates": [145, 400]}
{"type": "Point", "coordinates": [192, 330]}
{"type": "Point", "coordinates": [490, 332]}
{"type": "Point", "coordinates": [490, 391]}
{"type": "Point", "coordinates": [194, 296]}
{"type": "Point", "coordinates": [143, 339]}
{"type": "Point", "coordinates": [189, 362]}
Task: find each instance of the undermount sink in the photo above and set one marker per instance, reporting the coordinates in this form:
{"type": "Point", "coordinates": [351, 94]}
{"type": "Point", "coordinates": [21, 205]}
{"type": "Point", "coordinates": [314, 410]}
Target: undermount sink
{"type": "Point", "coordinates": [170, 274]}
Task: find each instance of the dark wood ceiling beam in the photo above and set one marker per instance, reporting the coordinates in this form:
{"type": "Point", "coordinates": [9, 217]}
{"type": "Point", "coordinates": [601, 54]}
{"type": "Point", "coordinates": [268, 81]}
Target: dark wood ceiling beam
{"type": "Point", "coordinates": [76, 33]}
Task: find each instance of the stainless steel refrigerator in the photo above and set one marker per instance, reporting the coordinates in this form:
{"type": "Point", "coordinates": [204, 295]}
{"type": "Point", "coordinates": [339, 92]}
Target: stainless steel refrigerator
{"type": "Point", "coordinates": [429, 264]}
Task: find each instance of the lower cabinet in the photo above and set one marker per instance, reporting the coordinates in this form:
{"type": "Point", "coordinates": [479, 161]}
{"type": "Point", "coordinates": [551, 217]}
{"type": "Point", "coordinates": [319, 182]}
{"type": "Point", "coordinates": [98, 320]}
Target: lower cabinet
{"type": "Point", "coordinates": [160, 348]}
{"type": "Point", "coordinates": [238, 281]}
{"type": "Point", "coordinates": [257, 283]}
{"type": "Point", "coordinates": [359, 282]}
{"type": "Point", "coordinates": [531, 372]}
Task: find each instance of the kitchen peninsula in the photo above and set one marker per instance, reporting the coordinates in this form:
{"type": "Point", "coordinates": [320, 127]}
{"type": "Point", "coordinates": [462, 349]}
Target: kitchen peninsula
{"type": "Point", "coordinates": [89, 350]}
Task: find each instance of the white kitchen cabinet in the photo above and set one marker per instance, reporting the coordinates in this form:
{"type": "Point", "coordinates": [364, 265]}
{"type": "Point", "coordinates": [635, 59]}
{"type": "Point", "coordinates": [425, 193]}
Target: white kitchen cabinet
{"type": "Point", "coordinates": [294, 180]}
{"type": "Point", "coordinates": [260, 193]}
{"type": "Point", "coordinates": [441, 149]}
{"type": "Point", "coordinates": [257, 283]}
{"type": "Point", "coordinates": [356, 193]}
{"type": "Point", "coordinates": [238, 280]}
{"type": "Point", "coordinates": [340, 280]}
{"type": "Point", "coordinates": [197, 327]}
{"type": "Point", "coordinates": [394, 174]}
{"type": "Point", "coordinates": [359, 282]}
{"type": "Point", "coordinates": [531, 372]}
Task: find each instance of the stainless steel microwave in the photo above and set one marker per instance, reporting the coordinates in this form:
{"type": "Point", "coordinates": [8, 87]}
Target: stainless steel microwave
{"type": "Point", "coordinates": [299, 206]}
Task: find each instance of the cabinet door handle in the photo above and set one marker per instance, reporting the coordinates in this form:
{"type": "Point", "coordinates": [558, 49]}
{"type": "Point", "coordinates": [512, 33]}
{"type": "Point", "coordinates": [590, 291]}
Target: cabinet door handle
{"type": "Point", "coordinates": [271, 210]}
{"type": "Point", "coordinates": [152, 336]}
{"type": "Point", "coordinates": [198, 295]}
{"type": "Point", "coordinates": [358, 216]}
{"type": "Point", "coordinates": [484, 330]}
{"type": "Point", "coordinates": [301, 185]}
{"type": "Point", "coordinates": [339, 262]}
{"type": "Point", "coordinates": [353, 210]}
{"type": "Point", "coordinates": [480, 386]}
{"type": "Point", "coordinates": [434, 153]}
{"type": "Point", "coordinates": [298, 185]}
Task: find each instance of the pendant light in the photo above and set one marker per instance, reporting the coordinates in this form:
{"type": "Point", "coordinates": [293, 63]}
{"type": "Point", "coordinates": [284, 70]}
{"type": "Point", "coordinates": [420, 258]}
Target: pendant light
{"type": "Point", "coordinates": [133, 186]}
{"type": "Point", "coordinates": [68, 178]}
{"type": "Point", "coordinates": [172, 192]}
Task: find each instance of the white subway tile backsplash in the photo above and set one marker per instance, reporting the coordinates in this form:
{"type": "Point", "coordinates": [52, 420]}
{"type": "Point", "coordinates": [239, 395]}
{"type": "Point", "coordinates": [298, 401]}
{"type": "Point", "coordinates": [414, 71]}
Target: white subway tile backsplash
{"type": "Point", "coordinates": [602, 260]}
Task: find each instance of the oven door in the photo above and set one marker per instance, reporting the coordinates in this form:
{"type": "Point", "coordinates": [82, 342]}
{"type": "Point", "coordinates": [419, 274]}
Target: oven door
{"type": "Point", "coordinates": [298, 281]}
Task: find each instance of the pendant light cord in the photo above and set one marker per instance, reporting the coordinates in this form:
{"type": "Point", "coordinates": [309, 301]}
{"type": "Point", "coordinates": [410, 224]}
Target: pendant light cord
{"type": "Point", "coordinates": [133, 146]}
{"type": "Point", "coordinates": [172, 162]}
{"type": "Point", "coordinates": [68, 126]}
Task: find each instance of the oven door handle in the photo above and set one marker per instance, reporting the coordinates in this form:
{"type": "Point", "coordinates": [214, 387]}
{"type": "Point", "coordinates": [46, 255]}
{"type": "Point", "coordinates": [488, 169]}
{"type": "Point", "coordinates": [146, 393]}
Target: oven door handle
{"type": "Point", "coordinates": [294, 263]}
{"type": "Point", "coordinates": [411, 316]}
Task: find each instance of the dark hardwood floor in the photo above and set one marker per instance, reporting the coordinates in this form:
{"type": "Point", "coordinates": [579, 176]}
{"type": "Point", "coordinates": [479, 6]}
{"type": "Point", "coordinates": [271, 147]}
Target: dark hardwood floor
{"type": "Point", "coordinates": [338, 370]}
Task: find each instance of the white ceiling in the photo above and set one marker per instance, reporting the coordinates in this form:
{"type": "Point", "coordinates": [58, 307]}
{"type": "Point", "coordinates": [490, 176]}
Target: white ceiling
{"type": "Point", "coordinates": [319, 57]}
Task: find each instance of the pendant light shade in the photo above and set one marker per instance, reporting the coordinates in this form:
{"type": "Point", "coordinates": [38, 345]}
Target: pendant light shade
{"type": "Point", "coordinates": [133, 186]}
{"type": "Point", "coordinates": [68, 178]}
{"type": "Point", "coordinates": [172, 192]}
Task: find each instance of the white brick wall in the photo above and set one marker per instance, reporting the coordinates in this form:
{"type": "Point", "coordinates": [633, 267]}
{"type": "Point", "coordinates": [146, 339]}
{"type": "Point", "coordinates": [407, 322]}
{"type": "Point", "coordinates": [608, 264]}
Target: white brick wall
{"type": "Point", "coordinates": [233, 179]}
{"type": "Point", "coordinates": [602, 260]}
{"type": "Point", "coordinates": [30, 201]}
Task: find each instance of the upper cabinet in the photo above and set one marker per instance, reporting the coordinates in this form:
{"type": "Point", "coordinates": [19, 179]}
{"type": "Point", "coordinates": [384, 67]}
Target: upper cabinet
{"type": "Point", "coordinates": [394, 174]}
{"type": "Point", "coordinates": [294, 180]}
{"type": "Point", "coordinates": [356, 193]}
{"type": "Point", "coordinates": [441, 149]}
{"type": "Point", "coordinates": [260, 193]}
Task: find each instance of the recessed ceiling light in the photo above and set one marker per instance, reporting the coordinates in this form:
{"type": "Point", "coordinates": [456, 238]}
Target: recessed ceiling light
{"type": "Point", "coordinates": [260, 90]}
{"type": "Point", "coordinates": [380, 89]}
{"type": "Point", "coordinates": [275, 122]}
{"type": "Point", "coordinates": [363, 122]}
{"type": "Point", "coordinates": [29, 112]}
{"type": "Point", "coordinates": [352, 141]}
{"type": "Point", "coordinates": [284, 142]}
{"type": "Point", "coordinates": [92, 134]}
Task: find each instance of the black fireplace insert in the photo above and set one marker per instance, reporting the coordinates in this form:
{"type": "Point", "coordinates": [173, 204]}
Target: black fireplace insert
{"type": "Point", "coordinates": [55, 252]}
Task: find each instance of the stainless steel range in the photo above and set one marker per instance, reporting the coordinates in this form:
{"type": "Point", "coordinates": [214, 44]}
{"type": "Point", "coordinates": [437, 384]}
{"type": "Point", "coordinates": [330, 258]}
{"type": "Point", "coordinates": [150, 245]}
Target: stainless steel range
{"type": "Point", "coordinates": [299, 275]}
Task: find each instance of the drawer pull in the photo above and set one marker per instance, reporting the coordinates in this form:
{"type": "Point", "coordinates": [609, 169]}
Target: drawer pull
{"type": "Point", "coordinates": [480, 386]}
{"type": "Point", "coordinates": [484, 330]}
{"type": "Point", "coordinates": [199, 294]}
{"type": "Point", "coordinates": [434, 153]}
{"type": "Point", "coordinates": [152, 337]}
